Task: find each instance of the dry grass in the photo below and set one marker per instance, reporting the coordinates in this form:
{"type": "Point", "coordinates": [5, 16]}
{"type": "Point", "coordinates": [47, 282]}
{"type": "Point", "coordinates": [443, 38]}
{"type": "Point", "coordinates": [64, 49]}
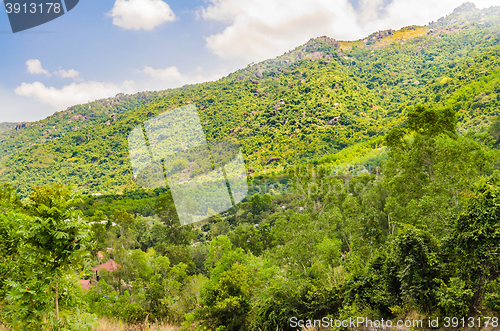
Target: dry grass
{"type": "Point", "coordinates": [113, 325]}
{"type": "Point", "coordinates": [399, 36]}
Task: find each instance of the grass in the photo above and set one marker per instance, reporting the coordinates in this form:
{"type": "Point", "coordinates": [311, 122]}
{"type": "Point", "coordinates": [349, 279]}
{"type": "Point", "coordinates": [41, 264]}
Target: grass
{"type": "Point", "coordinates": [106, 324]}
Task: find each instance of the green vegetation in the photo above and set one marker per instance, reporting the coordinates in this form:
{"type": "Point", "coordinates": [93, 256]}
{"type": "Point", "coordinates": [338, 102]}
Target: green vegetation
{"type": "Point", "coordinates": [417, 237]}
{"type": "Point", "coordinates": [6, 126]}
{"type": "Point", "coordinates": [44, 242]}
{"type": "Point", "coordinates": [374, 193]}
{"type": "Point", "coordinates": [310, 103]}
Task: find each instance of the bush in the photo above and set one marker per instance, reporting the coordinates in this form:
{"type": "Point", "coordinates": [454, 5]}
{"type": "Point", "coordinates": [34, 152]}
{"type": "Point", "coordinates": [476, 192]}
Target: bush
{"type": "Point", "coordinates": [415, 264]}
{"type": "Point", "coordinates": [455, 299]}
{"type": "Point", "coordinates": [293, 298]}
{"type": "Point", "coordinates": [492, 295]}
{"type": "Point", "coordinates": [73, 321]}
{"type": "Point", "coordinates": [476, 236]}
{"type": "Point", "coordinates": [104, 301]}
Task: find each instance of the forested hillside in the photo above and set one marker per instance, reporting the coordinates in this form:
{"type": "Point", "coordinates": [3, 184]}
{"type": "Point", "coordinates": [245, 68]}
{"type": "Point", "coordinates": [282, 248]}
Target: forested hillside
{"type": "Point", "coordinates": [374, 192]}
{"type": "Point", "coordinates": [308, 103]}
{"type": "Point", "coordinates": [25, 135]}
{"type": "Point", "coordinates": [6, 126]}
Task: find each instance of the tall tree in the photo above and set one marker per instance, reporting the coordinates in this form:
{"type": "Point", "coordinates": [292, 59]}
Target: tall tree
{"type": "Point", "coordinates": [172, 232]}
{"type": "Point", "coordinates": [494, 129]}
{"type": "Point", "coordinates": [476, 236]}
{"type": "Point", "coordinates": [430, 166]}
{"type": "Point", "coordinates": [57, 236]}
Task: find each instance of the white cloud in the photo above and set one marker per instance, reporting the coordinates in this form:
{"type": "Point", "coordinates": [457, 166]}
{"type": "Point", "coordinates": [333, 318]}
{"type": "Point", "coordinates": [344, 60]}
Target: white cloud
{"type": "Point", "coordinates": [16, 108]}
{"type": "Point", "coordinates": [406, 12]}
{"type": "Point", "coordinates": [169, 74]}
{"type": "Point", "coordinates": [72, 94]}
{"type": "Point", "coordinates": [34, 67]}
{"type": "Point", "coordinates": [71, 73]}
{"type": "Point", "coordinates": [261, 29]}
{"type": "Point", "coordinates": [78, 93]}
{"type": "Point", "coordinates": [141, 14]}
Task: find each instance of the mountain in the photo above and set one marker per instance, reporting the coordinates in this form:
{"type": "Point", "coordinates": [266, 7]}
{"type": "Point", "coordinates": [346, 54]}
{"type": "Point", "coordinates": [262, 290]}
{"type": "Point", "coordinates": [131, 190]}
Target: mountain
{"type": "Point", "coordinates": [318, 101]}
{"type": "Point", "coordinates": [74, 118]}
{"type": "Point", "coordinates": [5, 126]}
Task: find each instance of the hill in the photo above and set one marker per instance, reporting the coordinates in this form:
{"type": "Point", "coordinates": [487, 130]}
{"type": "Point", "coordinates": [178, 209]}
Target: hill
{"type": "Point", "coordinates": [388, 205]}
{"type": "Point", "coordinates": [310, 103]}
{"type": "Point", "coordinates": [6, 126]}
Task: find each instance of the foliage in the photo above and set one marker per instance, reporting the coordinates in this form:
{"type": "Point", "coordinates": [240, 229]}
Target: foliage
{"type": "Point", "coordinates": [225, 297]}
{"type": "Point", "coordinates": [455, 299]}
{"type": "Point", "coordinates": [292, 107]}
{"type": "Point", "coordinates": [372, 192]}
{"type": "Point", "coordinates": [431, 166]}
{"type": "Point", "coordinates": [45, 249]}
{"type": "Point", "coordinates": [492, 296]}
{"type": "Point", "coordinates": [477, 234]}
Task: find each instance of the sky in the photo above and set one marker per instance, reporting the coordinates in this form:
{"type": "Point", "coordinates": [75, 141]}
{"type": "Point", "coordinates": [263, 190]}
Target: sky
{"type": "Point", "coordinates": [105, 47]}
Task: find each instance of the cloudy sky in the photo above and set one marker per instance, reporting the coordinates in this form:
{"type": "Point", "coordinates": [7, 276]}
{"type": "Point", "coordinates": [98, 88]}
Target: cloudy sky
{"type": "Point", "coordinates": [103, 47]}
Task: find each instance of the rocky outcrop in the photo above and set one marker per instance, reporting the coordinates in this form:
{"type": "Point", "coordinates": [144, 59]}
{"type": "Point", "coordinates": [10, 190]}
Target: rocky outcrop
{"type": "Point", "coordinates": [383, 34]}
{"type": "Point", "coordinates": [78, 117]}
{"type": "Point", "coordinates": [273, 159]}
{"type": "Point", "coordinates": [316, 55]}
{"type": "Point", "coordinates": [235, 129]}
{"type": "Point", "coordinates": [333, 120]}
{"type": "Point", "coordinates": [329, 41]}
{"type": "Point", "coordinates": [22, 126]}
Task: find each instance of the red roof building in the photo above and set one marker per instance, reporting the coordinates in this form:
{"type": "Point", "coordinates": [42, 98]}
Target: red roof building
{"type": "Point", "coordinates": [109, 266]}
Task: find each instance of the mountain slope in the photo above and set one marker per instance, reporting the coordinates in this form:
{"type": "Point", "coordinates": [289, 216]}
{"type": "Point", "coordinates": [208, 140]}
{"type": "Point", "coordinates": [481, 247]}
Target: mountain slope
{"type": "Point", "coordinates": [5, 126]}
{"type": "Point", "coordinates": [309, 103]}
{"type": "Point", "coordinates": [25, 135]}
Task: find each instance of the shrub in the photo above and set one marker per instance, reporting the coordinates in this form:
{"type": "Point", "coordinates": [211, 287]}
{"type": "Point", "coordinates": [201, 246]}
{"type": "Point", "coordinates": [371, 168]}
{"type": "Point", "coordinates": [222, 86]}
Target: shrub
{"type": "Point", "coordinates": [454, 299]}
{"type": "Point", "coordinates": [492, 295]}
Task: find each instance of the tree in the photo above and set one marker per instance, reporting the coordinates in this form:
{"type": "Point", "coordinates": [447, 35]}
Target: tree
{"type": "Point", "coordinates": [414, 259]}
{"type": "Point", "coordinates": [306, 243]}
{"type": "Point", "coordinates": [225, 297]}
{"type": "Point", "coordinates": [247, 237]}
{"type": "Point", "coordinates": [8, 197]}
{"type": "Point", "coordinates": [494, 130]}
{"type": "Point", "coordinates": [171, 232]}
{"type": "Point", "coordinates": [476, 235]}
{"type": "Point", "coordinates": [432, 122]}
{"type": "Point", "coordinates": [57, 236]}
{"type": "Point", "coordinates": [430, 166]}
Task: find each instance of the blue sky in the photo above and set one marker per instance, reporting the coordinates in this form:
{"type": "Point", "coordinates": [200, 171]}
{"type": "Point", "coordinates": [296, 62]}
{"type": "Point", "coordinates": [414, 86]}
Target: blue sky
{"type": "Point", "coordinates": [103, 47]}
